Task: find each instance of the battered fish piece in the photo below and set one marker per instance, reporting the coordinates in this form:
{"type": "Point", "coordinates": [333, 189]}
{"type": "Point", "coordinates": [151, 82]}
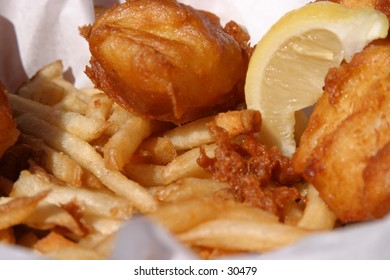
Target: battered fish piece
{"type": "Point", "coordinates": [8, 131]}
{"type": "Point", "coordinates": [167, 61]}
{"type": "Point", "coordinates": [345, 150]}
{"type": "Point", "coordinates": [380, 5]}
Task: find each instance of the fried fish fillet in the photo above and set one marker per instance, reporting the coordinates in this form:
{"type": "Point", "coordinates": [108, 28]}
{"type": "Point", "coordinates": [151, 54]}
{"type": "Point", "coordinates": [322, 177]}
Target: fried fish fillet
{"type": "Point", "coordinates": [345, 150]}
{"type": "Point", "coordinates": [167, 61]}
{"type": "Point", "coordinates": [380, 5]}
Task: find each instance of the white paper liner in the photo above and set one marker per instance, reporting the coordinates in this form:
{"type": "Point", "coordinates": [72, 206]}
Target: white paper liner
{"type": "Point", "coordinates": [35, 34]}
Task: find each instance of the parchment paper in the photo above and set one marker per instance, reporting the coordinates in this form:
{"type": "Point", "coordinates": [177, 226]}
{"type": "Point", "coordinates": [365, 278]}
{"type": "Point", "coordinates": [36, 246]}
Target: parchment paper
{"type": "Point", "coordinates": [35, 33]}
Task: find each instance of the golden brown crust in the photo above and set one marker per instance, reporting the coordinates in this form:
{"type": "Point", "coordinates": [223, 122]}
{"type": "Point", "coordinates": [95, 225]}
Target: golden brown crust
{"type": "Point", "coordinates": [383, 6]}
{"type": "Point", "coordinates": [377, 187]}
{"type": "Point", "coordinates": [347, 132]}
{"type": "Point", "coordinates": [166, 60]}
{"type": "Point", "coordinates": [380, 5]}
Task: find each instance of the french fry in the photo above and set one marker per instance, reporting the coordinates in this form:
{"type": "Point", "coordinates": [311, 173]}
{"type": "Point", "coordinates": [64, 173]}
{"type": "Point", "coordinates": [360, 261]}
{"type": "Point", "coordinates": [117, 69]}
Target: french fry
{"type": "Point", "coordinates": [74, 253]}
{"type": "Point", "coordinates": [116, 119]}
{"type": "Point", "coordinates": [49, 216]}
{"type": "Point", "coordinates": [237, 211]}
{"type": "Point", "coordinates": [55, 246]}
{"type": "Point", "coordinates": [100, 243]}
{"type": "Point", "coordinates": [89, 180]}
{"type": "Point", "coordinates": [317, 215]}
{"type": "Point", "coordinates": [18, 209]}
{"type": "Point", "coordinates": [53, 241]}
{"type": "Point", "coordinates": [71, 103]}
{"type": "Point", "coordinates": [293, 212]}
{"type": "Point", "coordinates": [242, 235]}
{"type": "Point", "coordinates": [103, 225]}
{"type": "Point", "coordinates": [99, 106]}
{"type": "Point", "coordinates": [182, 166]}
{"type": "Point", "coordinates": [93, 202]}
{"type": "Point", "coordinates": [62, 167]}
{"type": "Point", "coordinates": [40, 88]}
{"type": "Point", "coordinates": [196, 133]}
{"type": "Point", "coordinates": [48, 87]}
{"type": "Point", "coordinates": [183, 215]}
{"type": "Point", "coordinates": [89, 159]}
{"type": "Point", "coordinates": [87, 128]}
{"type": "Point", "coordinates": [121, 146]}
{"type": "Point", "coordinates": [59, 164]}
{"type": "Point", "coordinates": [189, 187]}
{"type": "Point", "coordinates": [70, 89]}
{"type": "Point", "coordinates": [239, 122]}
{"type": "Point", "coordinates": [74, 99]}
{"type": "Point", "coordinates": [155, 150]}
{"type": "Point", "coordinates": [91, 91]}
{"type": "Point", "coordinates": [106, 246]}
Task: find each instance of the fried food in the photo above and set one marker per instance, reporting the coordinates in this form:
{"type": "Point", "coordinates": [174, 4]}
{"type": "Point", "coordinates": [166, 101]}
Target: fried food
{"type": "Point", "coordinates": [380, 5]}
{"type": "Point", "coordinates": [8, 131]}
{"type": "Point", "coordinates": [344, 150]}
{"type": "Point", "coordinates": [260, 176]}
{"type": "Point", "coordinates": [167, 61]}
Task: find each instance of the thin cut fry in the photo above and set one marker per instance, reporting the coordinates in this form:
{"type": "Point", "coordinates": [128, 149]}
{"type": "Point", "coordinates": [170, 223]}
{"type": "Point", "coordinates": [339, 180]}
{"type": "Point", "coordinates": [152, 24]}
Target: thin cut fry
{"type": "Point", "coordinates": [89, 159]}
{"type": "Point", "coordinates": [317, 215]}
{"type": "Point", "coordinates": [242, 235]}
{"type": "Point", "coordinates": [100, 243]}
{"type": "Point", "coordinates": [242, 212]}
{"type": "Point", "coordinates": [121, 146]}
{"type": "Point", "coordinates": [89, 180]}
{"type": "Point", "coordinates": [41, 89]}
{"type": "Point", "coordinates": [99, 107]}
{"type": "Point", "coordinates": [61, 165]}
{"type": "Point", "coordinates": [183, 215]}
{"type": "Point", "coordinates": [182, 166]}
{"type": "Point", "coordinates": [189, 187]}
{"type": "Point", "coordinates": [86, 128]}
{"type": "Point", "coordinates": [57, 163]}
{"type": "Point", "coordinates": [91, 91]}
{"type": "Point", "coordinates": [93, 202]}
{"type": "Point", "coordinates": [53, 241]}
{"type": "Point", "coordinates": [72, 90]}
{"type": "Point", "coordinates": [74, 100]}
{"type": "Point", "coordinates": [196, 133]}
{"type": "Point", "coordinates": [155, 150]}
{"type": "Point", "coordinates": [48, 216]}
{"type": "Point", "coordinates": [103, 225]}
{"type": "Point", "coordinates": [18, 209]}
{"type": "Point", "coordinates": [74, 253]}
{"type": "Point", "coordinates": [117, 118]}
{"type": "Point", "coordinates": [55, 246]}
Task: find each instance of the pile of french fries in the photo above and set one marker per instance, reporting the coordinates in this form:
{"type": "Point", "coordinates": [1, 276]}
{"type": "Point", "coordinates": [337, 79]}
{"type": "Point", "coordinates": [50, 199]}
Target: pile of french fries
{"type": "Point", "coordinates": [95, 165]}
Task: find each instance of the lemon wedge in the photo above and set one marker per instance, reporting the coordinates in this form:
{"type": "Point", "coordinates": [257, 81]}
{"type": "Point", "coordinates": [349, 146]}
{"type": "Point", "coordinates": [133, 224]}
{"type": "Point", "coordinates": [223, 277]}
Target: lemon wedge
{"type": "Point", "coordinates": [287, 69]}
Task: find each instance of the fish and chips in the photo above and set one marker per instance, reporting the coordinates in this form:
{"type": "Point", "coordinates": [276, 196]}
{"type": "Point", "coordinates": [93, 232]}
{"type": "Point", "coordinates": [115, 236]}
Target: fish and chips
{"type": "Point", "coordinates": [166, 134]}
